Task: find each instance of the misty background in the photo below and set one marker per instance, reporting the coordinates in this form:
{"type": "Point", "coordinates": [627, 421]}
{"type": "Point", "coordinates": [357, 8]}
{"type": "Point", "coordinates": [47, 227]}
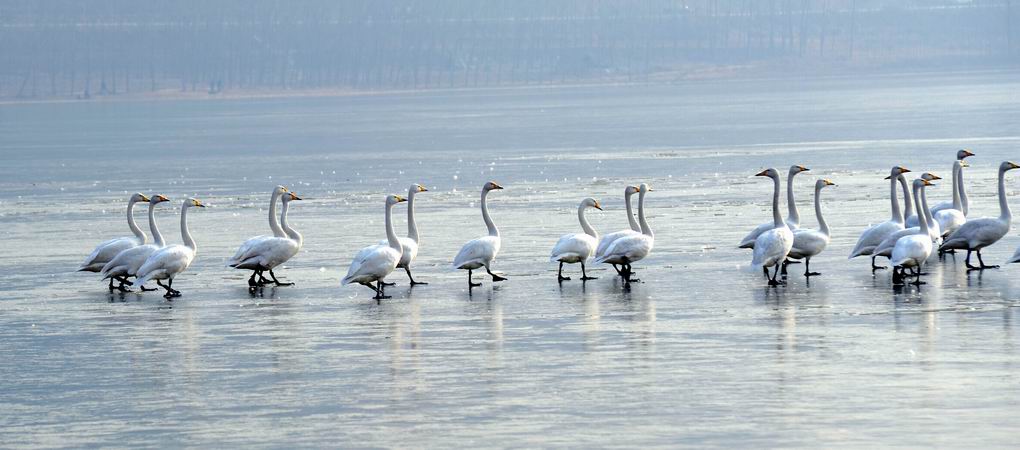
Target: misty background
{"type": "Point", "coordinates": [66, 48]}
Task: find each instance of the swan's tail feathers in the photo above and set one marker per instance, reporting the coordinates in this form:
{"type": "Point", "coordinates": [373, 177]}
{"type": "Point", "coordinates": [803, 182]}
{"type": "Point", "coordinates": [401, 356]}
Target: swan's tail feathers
{"type": "Point", "coordinates": [746, 243]}
{"type": "Point", "coordinates": [1015, 258]}
{"type": "Point", "coordinates": [861, 251]}
{"type": "Point", "coordinates": [953, 244]}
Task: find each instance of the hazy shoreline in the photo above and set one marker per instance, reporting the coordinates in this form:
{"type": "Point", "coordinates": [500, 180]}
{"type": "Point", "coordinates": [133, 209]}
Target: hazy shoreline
{"type": "Point", "coordinates": [692, 74]}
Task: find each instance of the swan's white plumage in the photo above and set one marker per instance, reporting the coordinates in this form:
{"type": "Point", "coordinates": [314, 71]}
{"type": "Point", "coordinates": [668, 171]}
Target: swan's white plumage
{"type": "Point", "coordinates": [808, 243]}
{"type": "Point", "coordinates": [480, 252]}
{"type": "Point", "coordinates": [268, 253]}
{"type": "Point", "coordinates": [107, 250]}
{"type": "Point", "coordinates": [607, 239]}
{"type": "Point", "coordinates": [576, 248]}
{"type": "Point", "coordinates": [871, 238]}
{"type": "Point", "coordinates": [772, 247]}
{"type": "Point", "coordinates": [172, 260]}
{"type": "Point", "coordinates": [127, 262]}
{"type": "Point", "coordinates": [979, 233]}
{"type": "Point", "coordinates": [632, 248]}
{"type": "Point", "coordinates": [793, 216]}
{"type": "Point", "coordinates": [375, 262]}
{"type": "Point", "coordinates": [244, 250]}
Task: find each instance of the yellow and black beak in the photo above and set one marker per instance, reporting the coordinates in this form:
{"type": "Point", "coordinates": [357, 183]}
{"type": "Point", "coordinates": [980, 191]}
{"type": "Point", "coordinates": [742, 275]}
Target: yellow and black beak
{"type": "Point", "coordinates": [401, 199]}
{"type": "Point", "coordinates": [161, 198]}
{"type": "Point", "coordinates": [967, 153]}
{"type": "Point", "coordinates": [598, 206]}
{"type": "Point", "coordinates": [829, 183]}
{"type": "Point", "coordinates": [933, 176]}
{"type": "Point", "coordinates": [763, 173]}
{"type": "Point", "coordinates": [927, 183]}
{"type": "Point", "coordinates": [197, 203]}
{"type": "Point", "coordinates": [422, 188]}
{"type": "Point", "coordinates": [1013, 165]}
{"type": "Point", "coordinates": [145, 199]}
{"type": "Point", "coordinates": [496, 185]}
{"type": "Point", "coordinates": [803, 169]}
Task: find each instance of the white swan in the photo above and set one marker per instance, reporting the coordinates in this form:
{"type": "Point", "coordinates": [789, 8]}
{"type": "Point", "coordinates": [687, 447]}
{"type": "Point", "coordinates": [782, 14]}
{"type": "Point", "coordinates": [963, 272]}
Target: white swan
{"type": "Point", "coordinates": [243, 252]}
{"type": "Point", "coordinates": [607, 239]}
{"type": "Point", "coordinates": [410, 243]}
{"type": "Point", "coordinates": [480, 252]}
{"type": "Point", "coordinates": [631, 249]}
{"type": "Point", "coordinates": [168, 262]}
{"type": "Point", "coordinates": [889, 243]}
{"type": "Point", "coordinates": [979, 233]}
{"type": "Point", "coordinates": [375, 262]}
{"type": "Point", "coordinates": [793, 215]}
{"type": "Point", "coordinates": [809, 243]}
{"type": "Point", "coordinates": [127, 262]}
{"type": "Point", "coordinates": [951, 219]}
{"type": "Point", "coordinates": [106, 251]}
{"type": "Point", "coordinates": [958, 186]}
{"type": "Point", "coordinates": [772, 247]}
{"type": "Point", "coordinates": [265, 254]}
{"type": "Point", "coordinates": [576, 248]}
{"type": "Point", "coordinates": [872, 237]}
{"type": "Point", "coordinates": [913, 250]}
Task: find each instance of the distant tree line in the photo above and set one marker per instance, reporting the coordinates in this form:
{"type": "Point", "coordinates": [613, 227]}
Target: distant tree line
{"type": "Point", "coordinates": [105, 47]}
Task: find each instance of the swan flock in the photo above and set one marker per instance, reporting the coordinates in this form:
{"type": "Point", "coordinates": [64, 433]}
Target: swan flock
{"type": "Point", "coordinates": [910, 238]}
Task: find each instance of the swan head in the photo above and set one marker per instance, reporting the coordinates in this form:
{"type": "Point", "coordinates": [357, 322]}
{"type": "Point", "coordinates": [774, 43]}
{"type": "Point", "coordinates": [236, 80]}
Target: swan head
{"type": "Point", "coordinates": [591, 203]}
{"type": "Point", "coordinates": [963, 153]}
{"type": "Point", "coordinates": [1008, 165]}
{"type": "Point", "coordinates": [770, 172]}
{"type": "Point", "coordinates": [921, 182]}
{"type": "Point", "coordinates": [492, 185]}
{"type": "Point", "coordinates": [930, 176]}
{"type": "Point", "coordinates": [645, 188]}
{"type": "Point", "coordinates": [394, 199]}
{"type": "Point", "coordinates": [193, 203]}
{"type": "Point", "coordinates": [289, 197]}
{"type": "Point", "coordinates": [418, 188]}
{"type": "Point", "coordinates": [158, 198]}
{"type": "Point", "coordinates": [823, 183]}
{"type": "Point", "coordinates": [138, 197]}
{"type": "Point", "coordinates": [631, 190]}
{"type": "Point", "coordinates": [795, 169]}
{"type": "Point", "coordinates": [896, 172]}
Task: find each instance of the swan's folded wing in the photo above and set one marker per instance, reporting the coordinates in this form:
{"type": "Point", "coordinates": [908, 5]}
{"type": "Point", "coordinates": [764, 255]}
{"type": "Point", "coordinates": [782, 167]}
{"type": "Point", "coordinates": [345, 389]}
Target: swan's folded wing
{"type": "Point", "coordinates": [477, 250]}
{"type": "Point", "coordinates": [243, 252]}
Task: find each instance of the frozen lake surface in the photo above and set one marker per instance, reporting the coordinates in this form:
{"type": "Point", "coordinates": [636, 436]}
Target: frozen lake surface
{"type": "Point", "coordinates": [700, 353]}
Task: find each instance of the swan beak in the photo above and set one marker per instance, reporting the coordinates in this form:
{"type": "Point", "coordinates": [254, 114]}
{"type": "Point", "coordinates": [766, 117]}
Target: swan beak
{"type": "Point", "coordinates": [598, 206]}
{"type": "Point", "coordinates": [197, 203]}
{"type": "Point", "coordinates": [145, 199]}
{"type": "Point", "coordinates": [927, 183]}
{"type": "Point", "coordinates": [294, 197]}
{"type": "Point", "coordinates": [496, 186]}
{"type": "Point", "coordinates": [934, 177]}
{"type": "Point", "coordinates": [422, 188]}
{"type": "Point", "coordinates": [967, 153]}
{"type": "Point", "coordinates": [401, 199]}
{"type": "Point", "coordinates": [803, 169]}
{"type": "Point", "coordinates": [763, 173]}
{"type": "Point", "coordinates": [1012, 165]}
{"type": "Point", "coordinates": [829, 183]}
{"type": "Point", "coordinates": [161, 198]}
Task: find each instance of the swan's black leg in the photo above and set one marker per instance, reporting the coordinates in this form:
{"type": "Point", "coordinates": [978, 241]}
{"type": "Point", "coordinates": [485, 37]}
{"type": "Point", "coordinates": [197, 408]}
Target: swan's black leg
{"type": "Point", "coordinates": [982, 262]}
{"type": "Point", "coordinates": [783, 266]}
{"type": "Point", "coordinates": [494, 276]}
{"type": "Point", "coordinates": [111, 285]}
{"type": "Point", "coordinates": [584, 274]}
{"type": "Point", "coordinates": [251, 279]}
{"type": "Point", "coordinates": [409, 277]}
{"type": "Point", "coordinates": [807, 269]}
{"type": "Point", "coordinates": [630, 274]}
{"type": "Point", "coordinates": [967, 261]}
{"type": "Point", "coordinates": [897, 276]}
{"type": "Point", "coordinates": [766, 271]}
{"type": "Point", "coordinates": [278, 283]}
{"type": "Point", "coordinates": [471, 283]}
{"type": "Point", "coordinates": [170, 284]}
{"type": "Point", "coordinates": [145, 289]}
{"type": "Point", "coordinates": [380, 291]}
{"type": "Point", "coordinates": [772, 279]}
{"type": "Point", "coordinates": [120, 286]}
{"type": "Point", "coordinates": [617, 268]}
{"type": "Point", "coordinates": [875, 267]}
{"type": "Point", "coordinates": [917, 277]}
{"type": "Point", "coordinates": [559, 275]}
{"type": "Point", "coordinates": [169, 290]}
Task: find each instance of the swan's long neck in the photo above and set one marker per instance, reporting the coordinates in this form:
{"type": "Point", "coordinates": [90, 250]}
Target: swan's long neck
{"type": "Point", "coordinates": [584, 223]}
{"type": "Point", "coordinates": [131, 222]}
{"type": "Point", "coordinates": [273, 223]}
{"type": "Point", "coordinates": [897, 216]}
{"type": "Point", "coordinates": [391, 236]}
{"type": "Point", "coordinates": [153, 228]}
{"type": "Point", "coordinates": [777, 220]}
{"type": "Point", "coordinates": [924, 209]}
{"type": "Point", "coordinates": [412, 226]}
{"type": "Point", "coordinates": [493, 231]}
{"type": "Point", "coordinates": [823, 227]}
{"type": "Point", "coordinates": [291, 233]}
{"type": "Point", "coordinates": [963, 194]}
{"type": "Point", "coordinates": [922, 220]}
{"type": "Point", "coordinates": [630, 213]}
{"type": "Point", "coordinates": [1004, 212]}
{"type": "Point", "coordinates": [185, 233]}
{"type": "Point", "coordinates": [908, 209]}
{"type": "Point", "coordinates": [957, 203]}
{"type": "Point", "coordinates": [645, 229]}
{"type": "Point", "coordinates": [791, 205]}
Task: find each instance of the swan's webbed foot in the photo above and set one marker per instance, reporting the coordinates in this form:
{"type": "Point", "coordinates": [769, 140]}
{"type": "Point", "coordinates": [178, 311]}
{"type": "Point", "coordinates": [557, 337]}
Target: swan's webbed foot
{"type": "Point", "coordinates": [145, 289]}
{"type": "Point", "coordinates": [278, 282]}
{"type": "Point", "coordinates": [812, 274]}
{"type": "Point", "coordinates": [387, 284]}
{"type": "Point", "coordinates": [562, 278]}
{"type": "Point", "coordinates": [472, 284]}
{"type": "Point", "coordinates": [774, 282]}
{"type": "Point", "coordinates": [496, 278]}
{"type": "Point", "coordinates": [586, 278]}
{"type": "Point", "coordinates": [409, 277]}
